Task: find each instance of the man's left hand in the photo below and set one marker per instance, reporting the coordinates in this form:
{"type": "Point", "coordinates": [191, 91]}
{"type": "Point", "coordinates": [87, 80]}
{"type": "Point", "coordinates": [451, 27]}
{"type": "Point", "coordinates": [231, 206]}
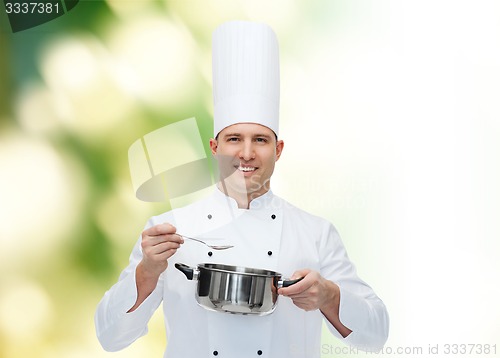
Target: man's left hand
{"type": "Point", "coordinates": [311, 293]}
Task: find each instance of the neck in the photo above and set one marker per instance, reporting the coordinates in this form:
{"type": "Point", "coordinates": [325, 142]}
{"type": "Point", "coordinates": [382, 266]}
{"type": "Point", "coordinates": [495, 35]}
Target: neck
{"type": "Point", "coordinates": [243, 199]}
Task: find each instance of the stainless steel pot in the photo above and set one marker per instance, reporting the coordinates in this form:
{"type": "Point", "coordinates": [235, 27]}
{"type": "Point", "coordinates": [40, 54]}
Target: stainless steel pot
{"type": "Point", "coordinates": [235, 289]}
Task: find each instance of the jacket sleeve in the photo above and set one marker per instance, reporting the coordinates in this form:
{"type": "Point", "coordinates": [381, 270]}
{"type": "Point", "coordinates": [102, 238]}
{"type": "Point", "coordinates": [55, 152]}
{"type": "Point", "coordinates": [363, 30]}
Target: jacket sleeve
{"type": "Point", "coordinates": [361, 310]}
{"type": "Point", "coordinates": [115, 328]}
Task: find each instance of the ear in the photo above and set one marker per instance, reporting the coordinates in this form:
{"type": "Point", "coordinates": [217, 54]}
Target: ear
{"type": "Point", "coordinates": [213, 146]}
{"type": "Point", "coordinates": [279, 149]}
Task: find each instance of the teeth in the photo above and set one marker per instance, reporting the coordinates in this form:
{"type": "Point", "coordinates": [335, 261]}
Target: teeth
{"type": "Point", "coordinates": [246, 169]}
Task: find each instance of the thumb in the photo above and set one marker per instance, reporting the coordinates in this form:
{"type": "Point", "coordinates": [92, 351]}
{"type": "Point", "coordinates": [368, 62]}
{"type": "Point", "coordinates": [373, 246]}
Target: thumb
{"type": "Point", "coordinates": [300, 273]}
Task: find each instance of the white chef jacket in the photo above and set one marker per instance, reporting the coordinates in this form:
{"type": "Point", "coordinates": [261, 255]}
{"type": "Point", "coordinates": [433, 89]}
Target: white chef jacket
{"type": "Point", "coordinates": [273, 235]}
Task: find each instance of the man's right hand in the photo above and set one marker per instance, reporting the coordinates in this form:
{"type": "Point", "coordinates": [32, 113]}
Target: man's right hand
{"type": "Point", "coordinates": [158, 244]}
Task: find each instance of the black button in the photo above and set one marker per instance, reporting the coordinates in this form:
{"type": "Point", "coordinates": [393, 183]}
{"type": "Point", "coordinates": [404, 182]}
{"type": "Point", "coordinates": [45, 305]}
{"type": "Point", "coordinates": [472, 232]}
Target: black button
{"type": "Point", "coordinates": [209, 216]}
{"type": "Point", "coordinates": [210, 253]}
{"type": "Point", "coordinates": [215, 353]}
{"type": "Point", "coordinates": [269, 253]}
{"type": "Point", "coordinates": [259, 352]}
{"type": "Point", "coordinates": [273, 216]}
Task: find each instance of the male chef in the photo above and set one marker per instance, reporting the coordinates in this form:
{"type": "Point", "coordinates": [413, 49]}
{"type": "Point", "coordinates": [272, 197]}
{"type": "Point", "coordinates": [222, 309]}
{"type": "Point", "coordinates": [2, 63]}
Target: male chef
{"type": "Point", "coordinates": [265, 231]}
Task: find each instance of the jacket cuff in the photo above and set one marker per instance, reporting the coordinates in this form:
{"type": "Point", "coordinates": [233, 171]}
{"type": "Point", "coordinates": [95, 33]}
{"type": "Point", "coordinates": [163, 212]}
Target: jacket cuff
{"type": "Point", "coordinates": [127, 326]}
{"type": "Point", "coordinates": [125, 294]}
{"type": "Point", "coordinates": [125, 297]}
{"type": "Point", "coordinates": [353, 311]}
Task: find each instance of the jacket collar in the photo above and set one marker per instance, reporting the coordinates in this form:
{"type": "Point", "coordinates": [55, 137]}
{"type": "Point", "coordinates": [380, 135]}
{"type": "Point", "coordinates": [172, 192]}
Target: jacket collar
{"type": "Point", "coordinates": [261, 202]}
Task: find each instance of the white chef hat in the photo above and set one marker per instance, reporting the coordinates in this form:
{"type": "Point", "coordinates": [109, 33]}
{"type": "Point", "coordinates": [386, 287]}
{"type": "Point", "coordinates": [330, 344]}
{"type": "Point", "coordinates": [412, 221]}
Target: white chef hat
{"type": "Point", "coordinates": [246, 79]}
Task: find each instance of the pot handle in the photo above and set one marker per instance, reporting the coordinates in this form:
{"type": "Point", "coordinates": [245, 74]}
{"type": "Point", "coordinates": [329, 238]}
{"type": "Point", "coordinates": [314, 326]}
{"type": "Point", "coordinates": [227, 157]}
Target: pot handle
{"type": "Point", "coordinates": [286, 283]}
{"type": "Point", "coordinates": [190, 272]}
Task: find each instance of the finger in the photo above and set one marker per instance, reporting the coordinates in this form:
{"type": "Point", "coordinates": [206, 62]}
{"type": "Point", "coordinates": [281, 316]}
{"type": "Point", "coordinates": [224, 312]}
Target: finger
{"type": "Point", "coordinates": [167, 238]}
{"type": "Point", "coordinates": [163, 257]}
{"type": "Point", "coordinates": [160, 229]}
{"type": "Point", "coordinates": [294, 289]}
{"type": "Point", "coordinates": [306, 302]}
{"type": "Point", "coordinates": [160, 248]}
{"type": "Point", "coordinates": [300, 273]}
{"type": "Point", "coordinates": [300, 286]}
{"type": "Point", "coordinates": [158, 239]}
{"type": "Point", "coordinates": [310, 299]}
{"type": "Point", "coordinates": [307, 294]}
{"type": "Point", "coordinates": [166, 254]}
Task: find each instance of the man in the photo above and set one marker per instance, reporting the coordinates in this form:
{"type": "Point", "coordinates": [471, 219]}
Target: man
{"type": "Point", "coordinates": [266, 232]}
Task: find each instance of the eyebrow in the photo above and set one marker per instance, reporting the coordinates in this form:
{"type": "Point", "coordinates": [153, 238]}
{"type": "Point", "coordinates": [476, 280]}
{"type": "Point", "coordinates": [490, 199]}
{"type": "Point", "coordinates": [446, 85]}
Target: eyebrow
{"type": "Point", "coordinates": [232, 135]}
{"type": "Point", "coordinates": [260, 135]}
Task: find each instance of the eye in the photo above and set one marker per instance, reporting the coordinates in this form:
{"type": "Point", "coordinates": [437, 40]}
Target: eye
{"type": "Point", "coordinates": [233, 139]}
{"type": "Point", "coordinates": [261, 140]}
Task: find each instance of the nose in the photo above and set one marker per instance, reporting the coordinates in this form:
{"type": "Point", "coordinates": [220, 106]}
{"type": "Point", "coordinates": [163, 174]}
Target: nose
{"type": "Point", "coordinates": [247, 151]}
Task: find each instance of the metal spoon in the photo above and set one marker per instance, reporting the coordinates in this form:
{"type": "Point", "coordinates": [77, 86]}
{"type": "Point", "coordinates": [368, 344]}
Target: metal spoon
{"type": "Point", "coordinates": [214, 247]}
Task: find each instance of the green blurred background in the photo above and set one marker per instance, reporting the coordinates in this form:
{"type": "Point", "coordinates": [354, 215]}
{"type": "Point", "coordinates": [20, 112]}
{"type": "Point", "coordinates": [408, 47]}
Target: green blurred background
{"type": "Point", "coordinates": [390, 118]}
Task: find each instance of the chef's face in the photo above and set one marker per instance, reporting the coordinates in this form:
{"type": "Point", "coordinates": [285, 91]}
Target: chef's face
{"type": "Point", "coordinates": [246, 153]}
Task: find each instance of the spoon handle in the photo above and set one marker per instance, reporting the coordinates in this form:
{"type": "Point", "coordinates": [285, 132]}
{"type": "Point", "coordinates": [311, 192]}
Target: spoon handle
{"type": "Point", "coordinates": [215, 247]}
{"type": "Point", "coordinates": [192, 238]}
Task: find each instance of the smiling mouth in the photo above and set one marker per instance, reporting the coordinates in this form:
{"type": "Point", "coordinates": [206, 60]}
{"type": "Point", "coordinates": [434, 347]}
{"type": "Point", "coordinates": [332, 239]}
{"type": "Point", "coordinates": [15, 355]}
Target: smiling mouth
{"type": "Point", "coordinates": [246, 169]}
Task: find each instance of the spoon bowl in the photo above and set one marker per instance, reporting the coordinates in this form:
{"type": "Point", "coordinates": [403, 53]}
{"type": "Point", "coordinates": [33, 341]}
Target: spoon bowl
{"type": "Point", "coordinates": [213, 247]}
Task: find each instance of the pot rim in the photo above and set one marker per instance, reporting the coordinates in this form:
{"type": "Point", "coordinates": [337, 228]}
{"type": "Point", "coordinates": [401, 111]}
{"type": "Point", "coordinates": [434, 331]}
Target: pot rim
{"type": "Point", "coordinates": [240, 270]}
